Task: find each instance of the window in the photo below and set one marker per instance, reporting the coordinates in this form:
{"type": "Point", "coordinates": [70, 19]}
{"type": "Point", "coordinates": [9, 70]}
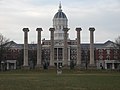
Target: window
{"type": "Point", "coordinates": [59, 27]}
{"type": "Point", "coordinates": [100, 57]}
{"type": "Point", "coordinates": [108, 57]}
{"type": "Point", "coordinates": [108, 51]}
{"type": "Point", "coordinates": [100, 51]}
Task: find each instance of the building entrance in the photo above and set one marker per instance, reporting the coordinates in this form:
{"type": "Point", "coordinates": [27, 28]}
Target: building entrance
{"type": "Point", "coordinates": [58, 56]}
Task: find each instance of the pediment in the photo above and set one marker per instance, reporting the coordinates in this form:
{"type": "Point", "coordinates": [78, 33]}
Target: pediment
{"type": "Point", "coordinates": [109, 44]}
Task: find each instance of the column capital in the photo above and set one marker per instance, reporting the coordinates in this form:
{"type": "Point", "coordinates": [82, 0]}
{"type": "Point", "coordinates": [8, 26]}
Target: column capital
{"type": "Point", "coordinates": [39, 29]}
{"type": "Point", "coordinates": [66, 29]}
{"type": "Point", "coordinates": [52, 29]}
{"type": "Point", "coordinates": [92, 29]}
{"type": "Point", "coordinates": [26, 29]}
{"type": "Point", "coordinates": [78, 29]}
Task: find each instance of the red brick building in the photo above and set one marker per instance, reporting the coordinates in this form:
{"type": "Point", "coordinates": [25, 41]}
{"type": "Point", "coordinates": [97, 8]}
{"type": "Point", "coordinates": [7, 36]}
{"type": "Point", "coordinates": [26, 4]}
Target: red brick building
{"type": "Point", "coordinates": [106, 56]}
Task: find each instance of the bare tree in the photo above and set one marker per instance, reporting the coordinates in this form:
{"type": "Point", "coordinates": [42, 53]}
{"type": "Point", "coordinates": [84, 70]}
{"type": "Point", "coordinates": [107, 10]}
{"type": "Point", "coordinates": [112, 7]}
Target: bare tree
{"type": "Point", "coordinates": [117, 46]}
{"type": "Point", "coordinates": [3, 47]}
{"type": "Point", "coordinates": [117, 41]}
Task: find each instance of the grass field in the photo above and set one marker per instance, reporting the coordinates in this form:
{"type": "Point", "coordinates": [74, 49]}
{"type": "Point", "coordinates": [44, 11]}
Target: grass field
{"type": "Point", "coordinates": [69, 80]}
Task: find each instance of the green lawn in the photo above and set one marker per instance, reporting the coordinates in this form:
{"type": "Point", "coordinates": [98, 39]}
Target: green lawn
{"type": "Point", "coordinates": [69, 80]}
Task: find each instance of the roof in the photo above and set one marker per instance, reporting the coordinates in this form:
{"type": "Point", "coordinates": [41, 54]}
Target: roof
{"type": "Point", "coordinates": [60, 14]}
{"type": "Point", "coordinates": [107, 44]}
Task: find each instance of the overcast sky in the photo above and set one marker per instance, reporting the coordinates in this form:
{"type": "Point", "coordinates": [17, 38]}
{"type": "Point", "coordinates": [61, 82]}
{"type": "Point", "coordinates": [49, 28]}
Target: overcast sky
{"type": "Point", "coordinates": [104, 15]}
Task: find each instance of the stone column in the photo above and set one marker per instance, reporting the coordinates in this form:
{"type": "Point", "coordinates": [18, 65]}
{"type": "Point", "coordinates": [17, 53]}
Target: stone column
{"type": "Point", "coordinates": [78, 47]}
{"type": "Point", "coordinates": [65, 56]}
{"type": "Point", "coordinates": [113, 66]}
{"type": "Point", "coordinates": [105, 65]}
{"type": "Point", "coordinates": [39, 47]}
{"type": "Point", "coordinates": [92, 62]}
{"type": "Point", "coordinates": [7, 65]}
{"type": "Point", "coordinates": [52, 47]}
{"type": "Point", "coordinates": [25, 63]}
{"type": "Point", "coordinates": [15, 65]}
{"type": "Point", "coordinates": [68, 55]}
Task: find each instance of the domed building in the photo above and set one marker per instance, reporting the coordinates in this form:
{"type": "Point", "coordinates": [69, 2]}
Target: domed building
{"type": "Point", "coordinates": [72, 53]}
{"type": "Point", "coordinates": [60, 21]}
{"type": "Point", "coordinates": [60, 50]}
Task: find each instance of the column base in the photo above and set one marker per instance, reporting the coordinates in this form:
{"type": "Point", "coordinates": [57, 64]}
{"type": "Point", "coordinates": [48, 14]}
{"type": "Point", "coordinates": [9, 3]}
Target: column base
{"type": "Point", "coordinates": [26, 67]}
{"type": "Point", "coordinates": [92, 67]}
{"type": "Point", "coordinates": [80, 67]}
{"type": "Point", "coordinates": [38, 66]}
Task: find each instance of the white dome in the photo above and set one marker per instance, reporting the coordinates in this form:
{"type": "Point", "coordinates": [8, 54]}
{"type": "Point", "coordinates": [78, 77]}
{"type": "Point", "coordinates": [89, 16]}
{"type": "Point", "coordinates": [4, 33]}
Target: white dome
{"type": "Point", "coordinates": [60, 21]}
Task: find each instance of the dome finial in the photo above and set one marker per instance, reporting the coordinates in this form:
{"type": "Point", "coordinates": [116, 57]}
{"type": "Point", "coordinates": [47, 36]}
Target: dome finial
{"type": "Point", "coordinates": [60, 6]}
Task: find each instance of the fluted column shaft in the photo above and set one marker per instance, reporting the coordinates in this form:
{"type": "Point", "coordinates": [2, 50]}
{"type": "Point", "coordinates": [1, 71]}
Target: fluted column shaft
{"type": "Point", "coordinates": [52, 47]}
{"type": "Point", "coordinates": [39, 47]}
{"type": "Point", "coordinates": [92, 62]}
{"type": "Point", "coordinates": [65, 56]}
{"type": "Point", "coordinates": [78, 47]}
{"type": "Point", "coordinates": [25, 30]}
